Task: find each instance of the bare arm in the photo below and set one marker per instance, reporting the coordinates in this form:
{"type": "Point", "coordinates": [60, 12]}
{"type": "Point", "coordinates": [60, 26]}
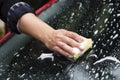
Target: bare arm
{"type": "Point", "coordinates": [59, 40]}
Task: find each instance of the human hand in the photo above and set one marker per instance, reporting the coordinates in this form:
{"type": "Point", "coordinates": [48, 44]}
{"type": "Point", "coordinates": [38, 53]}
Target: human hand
{"type": "Point", "coordinates": [60, 40]}
{"type": "Point", "coordinates": [63, 41]}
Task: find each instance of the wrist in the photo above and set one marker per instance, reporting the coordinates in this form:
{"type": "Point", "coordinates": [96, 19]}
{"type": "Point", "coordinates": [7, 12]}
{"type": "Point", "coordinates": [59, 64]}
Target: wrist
{"type": "Point", "coordinates": [46, 34]}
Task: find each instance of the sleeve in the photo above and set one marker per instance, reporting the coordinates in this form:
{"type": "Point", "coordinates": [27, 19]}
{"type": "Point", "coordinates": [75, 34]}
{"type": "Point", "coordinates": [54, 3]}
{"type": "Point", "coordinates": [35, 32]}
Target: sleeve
{"type": "Point", "coordinates": [11, 12]}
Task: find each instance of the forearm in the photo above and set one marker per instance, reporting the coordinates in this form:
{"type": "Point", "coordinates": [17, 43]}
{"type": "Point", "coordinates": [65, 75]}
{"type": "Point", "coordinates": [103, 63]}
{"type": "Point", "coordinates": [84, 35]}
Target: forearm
{"type": "Point", "coordinates": [35, 27]}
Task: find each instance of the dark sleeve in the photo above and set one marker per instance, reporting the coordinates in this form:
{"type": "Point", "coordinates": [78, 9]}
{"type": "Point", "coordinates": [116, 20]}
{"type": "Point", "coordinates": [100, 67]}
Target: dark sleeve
{"type": "Point", "coordinates": [12, 10]}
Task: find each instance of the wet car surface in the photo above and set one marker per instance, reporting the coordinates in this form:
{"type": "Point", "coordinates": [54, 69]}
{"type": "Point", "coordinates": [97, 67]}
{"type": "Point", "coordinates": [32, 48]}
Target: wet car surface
{"type": "Point", "coordinates": [99, 20]}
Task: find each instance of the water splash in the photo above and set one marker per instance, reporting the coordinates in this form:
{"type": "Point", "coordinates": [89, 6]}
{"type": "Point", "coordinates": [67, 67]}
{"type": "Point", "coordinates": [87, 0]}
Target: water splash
{"type": "Point", "coordinates": [46, 55]}
{"type": "Point", "coordinates": [107, 58]}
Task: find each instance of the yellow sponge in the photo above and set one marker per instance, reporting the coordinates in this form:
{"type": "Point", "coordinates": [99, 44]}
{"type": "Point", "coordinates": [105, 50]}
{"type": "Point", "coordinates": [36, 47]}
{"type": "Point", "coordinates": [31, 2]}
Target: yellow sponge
{"type": "Point", "coordinates": [86, 44]}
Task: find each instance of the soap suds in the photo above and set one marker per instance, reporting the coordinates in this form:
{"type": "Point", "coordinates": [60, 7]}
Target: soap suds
{"type": "Point", "coordinates": [46, 55]}
{"type": "Point", "coordinates": [107, 58]}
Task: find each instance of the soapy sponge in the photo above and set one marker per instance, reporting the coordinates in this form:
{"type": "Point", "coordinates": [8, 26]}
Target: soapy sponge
{"type": "Point", "coordinates": [86, 44]}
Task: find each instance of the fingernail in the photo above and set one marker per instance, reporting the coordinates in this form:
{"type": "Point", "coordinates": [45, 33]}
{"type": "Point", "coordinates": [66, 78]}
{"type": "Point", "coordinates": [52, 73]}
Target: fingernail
{"type": "Point", "coordinates": [76, 50]}
{"type": "Point", "coordinates": [81, 46]}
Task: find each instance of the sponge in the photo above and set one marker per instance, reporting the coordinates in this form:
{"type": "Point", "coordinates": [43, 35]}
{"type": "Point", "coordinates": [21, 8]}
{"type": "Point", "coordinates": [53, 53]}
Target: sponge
{"type": "Point", "coordinates": [86, 44]}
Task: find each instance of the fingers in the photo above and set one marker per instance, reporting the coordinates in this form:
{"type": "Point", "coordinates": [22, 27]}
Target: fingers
{"type": "Point", "coordinates": [58, 49]}
{"type": "Point", "coordinates": [75, 36]}
{"type": "Point", "coordinates": [72, 39]}
{"type": "Point", "coordinates": [71, 43]}
{"type": "Point", "coordinates": [66, 48]}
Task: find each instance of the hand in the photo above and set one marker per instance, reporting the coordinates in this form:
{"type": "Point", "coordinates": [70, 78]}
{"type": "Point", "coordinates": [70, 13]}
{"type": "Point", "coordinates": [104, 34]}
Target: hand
{"type": "Point", "coordinates": [63, 41]}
